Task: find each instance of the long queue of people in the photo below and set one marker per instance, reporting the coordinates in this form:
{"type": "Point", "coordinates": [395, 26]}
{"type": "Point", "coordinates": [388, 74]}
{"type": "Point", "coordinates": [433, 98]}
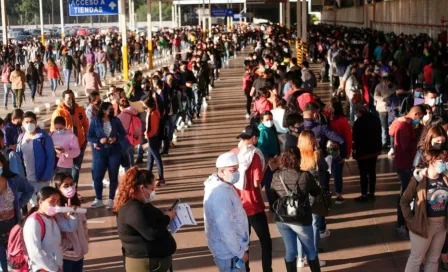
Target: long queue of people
{"type": "Point", "coordinates": [388, 94]}
{"type": "Point", "coordinates": [42, 168]}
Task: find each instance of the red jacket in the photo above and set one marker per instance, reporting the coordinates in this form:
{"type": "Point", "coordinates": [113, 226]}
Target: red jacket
{"type": "Point", "coordinates": [248, 81]}
{"type": "Point", "coordinates": [341, 126]}
{"type": "Point", "coordinates": [261, 105]}
{"type": "Point", "coordinates": [405, 143]}
{"type": "Point", "coordinates": [427, 73]}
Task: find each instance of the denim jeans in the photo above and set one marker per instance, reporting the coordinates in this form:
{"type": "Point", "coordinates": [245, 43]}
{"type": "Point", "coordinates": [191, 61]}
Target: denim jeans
{"type": "Point", "coordinates": [404, 175]}
{"type": "Point", "coordinates": [386, 139]}
{"type": "Point", "coordinates": [197, 102]}
{"type": "Point", "coordinates": [352, 113]}
{"type": "Point", "coordinates": [130, 153]}
{"type": "Point", "coordinates": [171, 119]}
{"type": "Point", "coordinates": [292, 236]}
{"type": "Point", "coordinates": [259, 222]}
{"type": "Point", "coordinates": [101, 68]}
{"type": "Point", "coordinates": [112, 65]}
{"type": "Point", "coordinates": [72, 266]}
{"type": "Point", "coordinates": [103, 163]}
{"type": "Point", "coordinates": [337, 166]}
{"type": "Point", "coordinates": [226, 266]}
{"type": "Point", "coordinates": [317, 225]}
{"type": "Point", "coordinates": [77, 162]}
{"type": "Point", "coordinates": [67, 74]}
{"type": "Point", "coordinates": [142, 117]}
{"type": "Point", "coordinates": [33, 88]}
{"type": "Point", "coordinates": [53, 84]}
{"type": "Point", "coordinates": [8, 90]}
{"type": "Point", "coordinates": [154, 155]}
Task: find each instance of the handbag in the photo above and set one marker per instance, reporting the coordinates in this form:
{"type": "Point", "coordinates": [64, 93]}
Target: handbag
{"type": "Point", "coordinates": [289, 207]}
{"type": "Point", "coordinates": [322, 203]}
{"type": "Point", "coordinates": [124, 160]}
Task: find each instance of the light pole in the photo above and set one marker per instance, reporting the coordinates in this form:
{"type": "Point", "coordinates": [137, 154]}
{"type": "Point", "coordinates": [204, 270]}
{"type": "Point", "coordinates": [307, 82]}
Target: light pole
{"type": "Point", "coordinates": [149, 36]}
{"type": "Point", "coordinates": [61, 4]}
{"type": "Point", "coordinates": [52, 16]}
{"type": "Point", "coordinates": [4, 23]}
{"type": "Point", "coordinates": [160, 15]}
{"type": "Point", "coordinates": [42, 36]}
{"type": "Point", "coordinates": [124, 39]}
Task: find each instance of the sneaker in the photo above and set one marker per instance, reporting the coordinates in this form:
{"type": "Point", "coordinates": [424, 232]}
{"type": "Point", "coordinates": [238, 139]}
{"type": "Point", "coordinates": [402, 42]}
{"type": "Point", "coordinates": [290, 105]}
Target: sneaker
{"type": "Point", "coordinates": [301, 262]}
{"type": "Point", "coordinates": [391, 153]}
{"type": "Point", "coordinates": [247, 116]}
{"type": "Point", "coordinates": [322, 263]}
{"type": "Point", "coordinates": [174, 136]}
{"type": "Point", "coordinates": [106, 183]}
{"type": "Point", "coordinates": [325, 234]}
{"type": "Point", "coordinates": [97, 204]}
{"type": "Point", "coordinates": [189, 123]}
{"type": "Point", "coordinates": [402, 232]}
{"type": "Point", "coordinates": [179, 128]}
{"type": "Point", "coordinates": [110, 204]}
{"type": "Point", "coordinates": [182, 124]}
{"type": "Point", "coordinates": [339, 200]}
{"type": "Point", "coordinates": [161, 183]}
{"type": "Point", "coordinates": [362, 198]}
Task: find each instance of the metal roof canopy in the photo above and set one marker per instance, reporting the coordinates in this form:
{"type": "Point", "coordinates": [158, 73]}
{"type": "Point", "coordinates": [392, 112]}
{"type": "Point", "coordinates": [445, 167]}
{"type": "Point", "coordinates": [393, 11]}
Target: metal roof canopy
{"type": "Point", "coordinates": [216, 2]}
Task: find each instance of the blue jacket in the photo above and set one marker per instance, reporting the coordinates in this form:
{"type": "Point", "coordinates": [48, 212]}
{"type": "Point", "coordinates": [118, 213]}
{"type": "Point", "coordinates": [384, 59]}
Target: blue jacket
{"type": "Point", "coordinates": [324, 133]}
{"type": "Point", "coordinates": [96, 133]}
{"type": "Point", "coordinates": [15, 163]}
{"type": "Point", "coordinates": [12, 133]}
{"type": "Point", "coordinates": [22, 191]}
{"type": "Point", "coordinates": [268, 142]}
{"type": "Point", "coordinates": [44, 155]}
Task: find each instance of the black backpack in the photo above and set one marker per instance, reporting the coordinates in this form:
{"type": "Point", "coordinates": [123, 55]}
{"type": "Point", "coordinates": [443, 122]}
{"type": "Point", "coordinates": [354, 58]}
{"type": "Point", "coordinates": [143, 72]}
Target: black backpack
{"type": "Point", "coordinates": [291, 206]}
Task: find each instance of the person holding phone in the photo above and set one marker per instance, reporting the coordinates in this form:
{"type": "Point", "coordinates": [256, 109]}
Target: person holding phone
{"type": "Point", "coordinates": [66, 146]}
{"type": "Point", "coordinates": [147, 243]}
{"type": "Point", "coordinates": [105, 132]}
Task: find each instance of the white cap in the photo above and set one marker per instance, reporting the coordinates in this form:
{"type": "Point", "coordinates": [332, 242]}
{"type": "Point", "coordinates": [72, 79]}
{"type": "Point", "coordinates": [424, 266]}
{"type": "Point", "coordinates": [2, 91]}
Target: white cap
{"type": "Point", "coordinates": [228, 159]}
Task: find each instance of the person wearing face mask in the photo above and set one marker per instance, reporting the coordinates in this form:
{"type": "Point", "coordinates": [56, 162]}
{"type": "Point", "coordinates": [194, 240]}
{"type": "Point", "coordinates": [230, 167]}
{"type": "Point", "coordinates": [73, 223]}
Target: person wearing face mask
{"type": "Point", "coordinates": [76, 121]}
{"type": "Point", "coordinates": [406, 137]}
{"type": "Point", "coordinates": [15, 192]}
{"type": "Point", "coordinates": [66, 146]}
{"type": "Point", "coordinates": [430, 97]}
{"type": "Point", "coordinates": [366, 149]}
{"type": "Point", "coordinates": [251, 166]}
{"type": "Point", "coordinates": [74, 244]}
{"type": "Point", "coordinates": [423, 205]}
{"type": "Point", "coordinates": [106, 132]}
{"type": "Point", "coordinates": [225, 221]}
{"type": "Point", "coordinates": [382, 92]}
{"type": "Point", "coordinates": [294, 123]}
{"type": "Point", "coordinates": [35, 148]}
{"type": "Point", "coordinates": [94, 103]}
{"type": "Point", "coordinates": [269, 146]}
{"type": "Point", "coordinates": [433, 137]}
{"type": "Point", "coordinates": [44, 251]}
{"type": "Point", "coordinates": [11, 132]}
{"type": "Point", "coordinates": [147, 244]}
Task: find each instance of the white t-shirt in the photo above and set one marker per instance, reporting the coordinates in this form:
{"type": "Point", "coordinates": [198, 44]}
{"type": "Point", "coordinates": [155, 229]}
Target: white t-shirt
{"type": "Point", "coordinates": [277, 115]}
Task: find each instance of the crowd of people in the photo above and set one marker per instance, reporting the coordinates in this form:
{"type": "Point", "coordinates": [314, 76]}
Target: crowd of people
{"type": "Point", "coordinates": [388, 95]}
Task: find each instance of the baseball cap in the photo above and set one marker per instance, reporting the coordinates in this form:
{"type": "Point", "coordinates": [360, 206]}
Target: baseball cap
{"type": "Point", "coordinates": [227, 160]}
{"type": "Point", "coordinates": [249, 132]}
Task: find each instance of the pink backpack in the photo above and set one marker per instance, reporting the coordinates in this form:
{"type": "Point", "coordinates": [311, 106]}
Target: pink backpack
{"type": "Point", "coordinates": [134, 133]}
{"type": "Point", "coordinates": [17, 254]}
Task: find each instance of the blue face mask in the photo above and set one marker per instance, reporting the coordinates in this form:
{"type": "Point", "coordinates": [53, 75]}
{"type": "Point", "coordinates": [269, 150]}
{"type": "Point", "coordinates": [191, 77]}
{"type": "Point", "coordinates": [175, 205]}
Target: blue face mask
{"type": "Point", "coordinates": [441, 168]}
{"type": "Point", "coordinates": [1, 170]}
{"type": "Point", "coordinates": [416, 122]}
{"type": "Point", "coordinates": [235, 177]}
{"type": "Point", "coordinates": [418, 94]}
{"type": "Point", "coordinates": [60, 131]}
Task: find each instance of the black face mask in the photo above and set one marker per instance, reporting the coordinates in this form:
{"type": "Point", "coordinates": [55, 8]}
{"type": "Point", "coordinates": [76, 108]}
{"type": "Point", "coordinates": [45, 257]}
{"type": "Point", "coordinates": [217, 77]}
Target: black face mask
{"type": "Point", "coordinates": [111, 112]}
{"type": "Point", "coordinates": [437, 146]}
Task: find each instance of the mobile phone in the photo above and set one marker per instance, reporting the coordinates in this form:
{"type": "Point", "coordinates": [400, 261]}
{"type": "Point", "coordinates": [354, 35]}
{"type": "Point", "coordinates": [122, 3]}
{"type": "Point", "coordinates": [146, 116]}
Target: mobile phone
{"type": "Point", "coordinates": [174, 206]}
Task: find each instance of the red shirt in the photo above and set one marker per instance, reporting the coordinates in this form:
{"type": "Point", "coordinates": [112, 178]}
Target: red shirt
{"type": "Point", "coordinates": [251, 196]}
{"type": "Point", "coordinates": [405, 143]}
{"type": "Point", "coordinates": [342, 127]}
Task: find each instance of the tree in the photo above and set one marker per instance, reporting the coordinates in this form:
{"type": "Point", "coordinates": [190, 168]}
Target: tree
{"type": "Point", "coordinates": [166, 11]}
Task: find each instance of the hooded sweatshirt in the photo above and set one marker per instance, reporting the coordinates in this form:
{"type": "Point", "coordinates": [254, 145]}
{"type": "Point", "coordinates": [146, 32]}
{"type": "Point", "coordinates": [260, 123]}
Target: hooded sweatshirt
{"type": "Point", "coordinates": [69, 142]}
{"type": "Point", "coordinates": [226, 225]}
{"type": "Point", "coordinates": [261, 105]}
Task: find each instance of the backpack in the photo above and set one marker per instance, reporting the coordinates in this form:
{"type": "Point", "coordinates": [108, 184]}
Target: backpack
{"type": "Point", "coordinates": [357, 96]}
{"type": "Point", "coordinates": [17, 254]}
{"type": "Point", "coordinates": [6, 72]}
{"type": "Point", "coordinates": [290, 207]}
{"type": "Point", "coordinates": [134, 133]}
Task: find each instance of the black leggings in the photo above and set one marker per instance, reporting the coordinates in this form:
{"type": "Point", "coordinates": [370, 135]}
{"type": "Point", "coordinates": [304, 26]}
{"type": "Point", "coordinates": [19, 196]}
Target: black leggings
{"type": "Point", "coordinates": [445, 246]}
{"type": "Point", "coordinates": [248, 101]}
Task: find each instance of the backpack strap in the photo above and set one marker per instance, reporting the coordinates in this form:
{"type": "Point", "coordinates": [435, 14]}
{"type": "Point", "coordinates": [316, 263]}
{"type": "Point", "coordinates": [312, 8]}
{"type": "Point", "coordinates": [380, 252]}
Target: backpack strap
{"type": "Point", "coordinates": [41, 223]}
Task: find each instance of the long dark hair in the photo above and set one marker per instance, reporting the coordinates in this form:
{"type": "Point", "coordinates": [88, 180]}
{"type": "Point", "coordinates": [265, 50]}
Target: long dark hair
{"type": "Point", "coordinates": [15, 114]}
{"type": "Point", "coordinates": [103, 107]}
{"type": "Point", "coordinates": [43, 194]}
{"type": "Point", "coordinates": [57, 181]}
{"type": "Point", "coordinates": [6, 170]}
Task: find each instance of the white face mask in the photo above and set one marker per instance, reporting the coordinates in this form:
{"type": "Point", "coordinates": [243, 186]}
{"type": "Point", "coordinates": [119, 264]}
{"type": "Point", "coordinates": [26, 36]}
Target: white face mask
{"type": "Point", "coordinates": [234, 177]}
{"type": "Point", "coordinates": [151, 197]}
{"type": "Point", "coordinates": [431, 102]}
{"type": "Point", "coordinates": [268, 124]}
{"type": "Point", "coordinates": [30, 127]}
